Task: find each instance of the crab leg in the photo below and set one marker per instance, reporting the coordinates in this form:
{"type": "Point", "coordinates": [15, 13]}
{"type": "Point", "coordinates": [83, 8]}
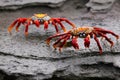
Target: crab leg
{"type": "Point", "coordinates": [26, 28]}
{"type": "Point", "coordinates": [12, 25]}
{"type": "Point", "coordinates": [117, 37]}
{"type": "Point", "coordinates": [106, 38]}
{"type": "Point", "coordinates": [56, 27]}
{"type": "Point", "coordinates": [64, 29]}
{"type": "Point", "coordinates": [18, 25]}
{"type": "Point", "coordinates": [106, 31]}
{"type": "Point", "coordinates": [59, 22]}
{"type": "Point", "coordinates": [63, 43]}
{"type": "Point", "coordinates": [64, 19]}
{"type": "Point", "coordinates": [98, 43]}
{"type": "Point", "coordinates": [48, 39]}
{"type": "Point", "coordinates": [58, 41]}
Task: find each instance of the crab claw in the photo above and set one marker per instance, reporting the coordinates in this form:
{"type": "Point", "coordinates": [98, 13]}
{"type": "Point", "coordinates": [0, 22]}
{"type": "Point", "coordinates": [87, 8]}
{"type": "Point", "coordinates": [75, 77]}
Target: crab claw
{"type": "Point", "coordinates": [87, 41]}
{"type": "Point", "coordinates": [74, 43]}
{"type": "Point", "coordinates": [37, 23]}
{"type": "Point", "coordinates": [45, 25]}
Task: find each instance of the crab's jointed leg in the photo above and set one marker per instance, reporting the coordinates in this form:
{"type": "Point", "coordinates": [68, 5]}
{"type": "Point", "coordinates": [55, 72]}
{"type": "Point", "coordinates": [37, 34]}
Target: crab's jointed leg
{"type": "Point", "coordinates": [98, 43]}
{"type": "Point", "coordinates": [64, 19]}
{"type": "Point", "coordinates": [57, 35]}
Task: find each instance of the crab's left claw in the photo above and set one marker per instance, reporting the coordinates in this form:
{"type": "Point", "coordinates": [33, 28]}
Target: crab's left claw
{"type": "Point", "coordinates": [87, 41]}
{"type": "Point", "coordinates": [74, 43]}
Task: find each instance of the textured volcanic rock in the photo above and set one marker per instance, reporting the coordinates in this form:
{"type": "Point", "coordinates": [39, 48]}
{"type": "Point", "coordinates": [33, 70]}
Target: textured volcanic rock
{"type": "Point", "coordinates": [29, 58]}
{"type": "Point", "coordinates": [15, 4]}
{"type": "Point", "coordinates": [100, 5]}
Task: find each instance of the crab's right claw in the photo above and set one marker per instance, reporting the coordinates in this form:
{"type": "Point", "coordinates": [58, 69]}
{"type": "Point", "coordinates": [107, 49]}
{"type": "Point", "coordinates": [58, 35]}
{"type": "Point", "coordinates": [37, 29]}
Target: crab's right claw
{"type": "Point", "coordinates": [74, 43]}
{"type": "Point", "coordinates": [87, 41]}
{"type": "Point", "coordinates": [37, 23]}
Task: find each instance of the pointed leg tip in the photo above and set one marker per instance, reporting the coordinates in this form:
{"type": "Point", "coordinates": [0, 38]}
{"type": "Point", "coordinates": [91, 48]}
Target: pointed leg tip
{"type": "Point", "coordinates": [112, 45]}
{"type": "Point", "coordinates": [118, 37]}
{"type": "Point", "coordinates": [64, 30]}
{"type": "Point", "coordinates": [100, 52]}
{"type": "Point", "coordinates": [26, 33]}
{"type": "Point", "coordinates": [47, 42]}
{"type": "Point", "coordinates": [17, 30]}
{"type": "Point", "coordinates": [60, 50]}
{"type": "Point", "coordinates": [54, 46]}
{"type": "Point", "coordinates": [9, 30]}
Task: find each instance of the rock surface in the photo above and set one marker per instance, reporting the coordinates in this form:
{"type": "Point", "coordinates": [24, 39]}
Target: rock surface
{"type": "Point", "coordinates": [29, 58]}
{"type": "Point", "coordinates": [15, 4]}
{"type": "Point", "coordinates": [100, 5]}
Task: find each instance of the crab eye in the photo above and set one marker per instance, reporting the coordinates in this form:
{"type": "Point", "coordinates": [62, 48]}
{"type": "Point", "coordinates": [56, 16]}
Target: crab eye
{"type": "Point", "coordinates": [82, 35]}
{"type": "Point", "coordinates": [41, 20]}
{"type": "Point", "coordinates": [46, 18]}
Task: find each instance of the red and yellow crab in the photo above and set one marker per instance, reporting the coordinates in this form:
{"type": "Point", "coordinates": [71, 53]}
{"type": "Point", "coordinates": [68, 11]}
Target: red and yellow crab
{"type": "Point", "coordinates": [81, 32]}
{"type": "Point", "coordinates": [38, 19]}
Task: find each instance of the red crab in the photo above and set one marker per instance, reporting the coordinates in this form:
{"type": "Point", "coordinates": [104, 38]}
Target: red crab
{"type": "Point", "coordinates": [81, 32]}
{"type": "Point", "coordinates": [38, 19]}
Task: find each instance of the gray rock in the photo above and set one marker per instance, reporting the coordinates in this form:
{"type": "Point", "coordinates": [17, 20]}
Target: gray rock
{"type": "Point", "coordinates": [15, 4]}
{"type": "Point", "coordinates": [100, 5]}
{"type": "Point", "coordinates": [29, 58]}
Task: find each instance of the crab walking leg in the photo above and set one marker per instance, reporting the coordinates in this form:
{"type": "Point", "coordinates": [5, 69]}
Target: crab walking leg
{"type": "Point", "coordinates": [11, 26]}
{"type": "Point", "coordinates": [64, 29]}
{"type": "Point", "coordinates": [63, 43]}
{"type": "Point", "coordinates": [98, 43]}
{"type": "Point", "coordinates": [18, 22]}
{"type": "Point", "coordinates": [26, 28]}
{"type": "Point", "coordinates": [62, 26]}
{"type": "Point", "coordinates": [58, 41]}
{"type": "Point", "coordinates": [117, 37]}
{"type": "Point", "coordinates": [106, 31]}
{"type": "Point", "coordinates": [103, 35]}
{"type": "Point", "coordinates": [45, 25]}
{"type": "Point", "coordinates": [56, 27]}
{"type": "Point", "coordinates": [64, 19]}
{"type": "Point", "coordinates": [18, 25]}
{"type": "Point", "coordinates": [48, 39]}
